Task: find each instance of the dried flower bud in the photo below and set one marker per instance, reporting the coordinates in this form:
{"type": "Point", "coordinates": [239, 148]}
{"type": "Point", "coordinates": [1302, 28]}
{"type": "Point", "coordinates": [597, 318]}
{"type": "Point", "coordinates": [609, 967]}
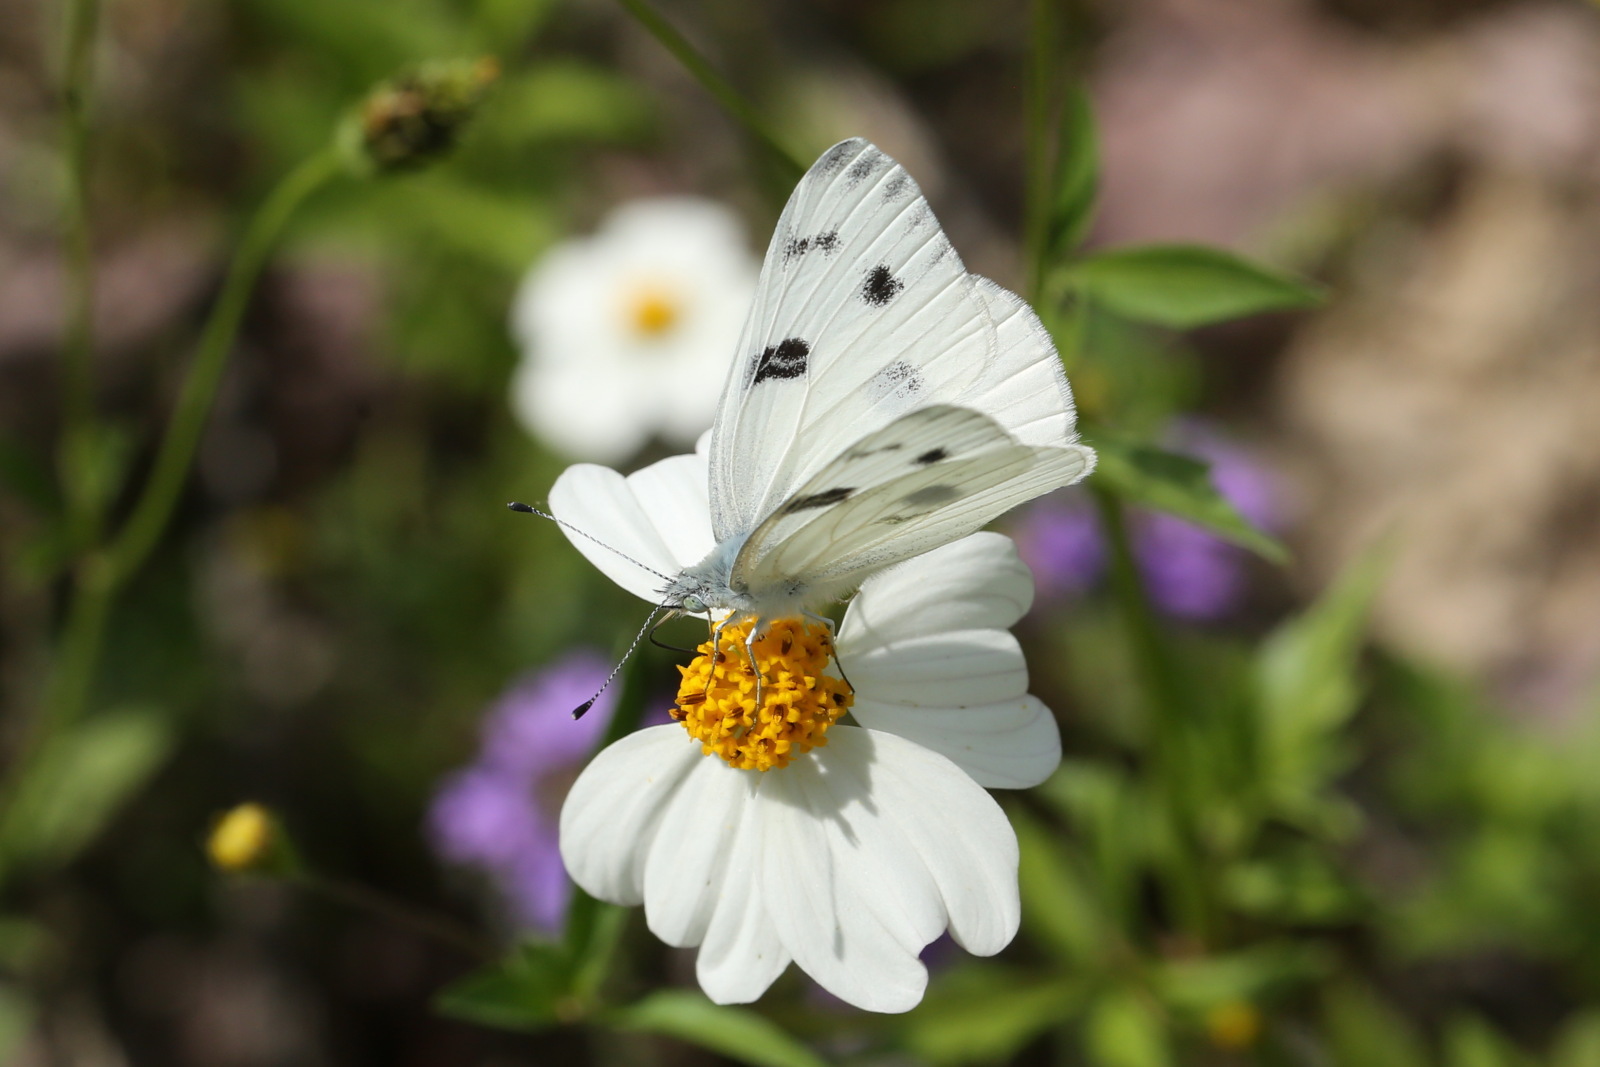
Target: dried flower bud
{"type": "Point", "coordinates": [416, 118]}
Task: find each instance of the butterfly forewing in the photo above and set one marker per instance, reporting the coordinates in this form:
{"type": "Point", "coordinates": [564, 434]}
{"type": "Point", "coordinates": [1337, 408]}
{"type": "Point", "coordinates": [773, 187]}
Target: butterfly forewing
{"type": "Point", "coordinates": [863, 312]}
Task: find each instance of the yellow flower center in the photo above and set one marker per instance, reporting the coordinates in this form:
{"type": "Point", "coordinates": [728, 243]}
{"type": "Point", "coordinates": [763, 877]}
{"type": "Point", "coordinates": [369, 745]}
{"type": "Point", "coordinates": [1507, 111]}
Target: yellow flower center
{"type": "Point", "coordinates": [717, 697]}
{"type": "Point", "coordinates": [653, 310]}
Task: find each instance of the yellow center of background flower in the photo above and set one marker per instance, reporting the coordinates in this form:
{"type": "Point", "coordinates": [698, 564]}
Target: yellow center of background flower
{"type": "Point", "coordinates": [717, 697]}
{"type": "Point", "coordinates": [653, 311]}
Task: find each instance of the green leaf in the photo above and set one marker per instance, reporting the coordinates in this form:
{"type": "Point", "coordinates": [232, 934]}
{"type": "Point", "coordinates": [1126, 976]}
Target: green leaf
{"type": "Point", "coordinates": [1306, 685]}
{"type": "Point", "coordinates": [76, 782]}
{"type": "Point", "coordinates": [1471, 1042]}
{"type": "Point", "coordinates": [1247, 975]}
{"type": "Point", "coordinates": [1298, 885]}
{"type": "Point", "coordinates": [16, 1020]}
{"type": "Point", "coordinates": [1078, 176]}
{"type": "Point", "coordinates": [1058, 907]}
{"type": "Point", "coordinates": [1182, 486]}
{"type": "Point", "coordinates": [1363, 1031]}
{"type": "Point", "coordinates": [527, 991]}
{"type": "Point", "coordinates": [984, 1013]}
{"type": "Point", "coordinates": [1183, 286]}
{"type": "Point", "coordinates": [1578, 1043]}
{"type": "Point", "coordinates": [738, 1033]}
{"type": "Point", "coordinates": [1126, 1029]}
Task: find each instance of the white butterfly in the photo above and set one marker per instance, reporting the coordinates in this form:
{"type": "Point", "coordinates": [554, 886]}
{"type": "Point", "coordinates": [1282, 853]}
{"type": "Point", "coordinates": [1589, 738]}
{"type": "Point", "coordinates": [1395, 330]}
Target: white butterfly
{"type": "Point", "coordinates": [882, 402]}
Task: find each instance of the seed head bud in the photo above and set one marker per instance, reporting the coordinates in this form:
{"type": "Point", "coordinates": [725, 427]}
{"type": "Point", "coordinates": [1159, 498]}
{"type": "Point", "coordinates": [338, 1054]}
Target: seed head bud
{"type": "Point", "coordinates": [416, 117]}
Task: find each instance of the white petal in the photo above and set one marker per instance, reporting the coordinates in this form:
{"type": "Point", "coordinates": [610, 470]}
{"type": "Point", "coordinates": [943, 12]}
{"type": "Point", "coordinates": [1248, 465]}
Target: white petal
{"type": "Point", "coordinates": [1014, 744]}
{"type": "Point", "coordinates": [683, 873]}
{"type": "Point", "coordinates": [650, 516]}
{"type": "Point", "coordinates": [977, 582]}
{"type": "Point", "coordinates": [675, 495]}
{"type": "Point", "coordinates": [830, 899]}
{"type": "Point", "coordinates": [741, 954]}
{"type": "Point", "coordinates": [966, 668]}
{"type": "Point", "coordinates": [614, 810]}
{"type": "Point", "coordinates": [963, 838]}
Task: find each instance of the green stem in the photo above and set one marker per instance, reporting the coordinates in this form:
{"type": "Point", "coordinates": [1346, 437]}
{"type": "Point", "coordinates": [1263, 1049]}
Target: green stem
{"type": "Point", "coordinates": [77, 382]}
{"type": "Point", "coordinates": [432, 927]}
{"type": "Point", "coordinates": [713, 83]}
{"type": "Point", "coordinates": [102, 574]}
{"type": "Point", "coordinates": [154, 509]}
{"type": "Point", "coordinates": [1170, 728]}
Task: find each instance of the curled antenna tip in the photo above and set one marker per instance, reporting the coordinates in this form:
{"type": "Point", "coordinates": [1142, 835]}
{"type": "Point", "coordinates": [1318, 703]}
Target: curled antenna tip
{"type": "Point", "coordinates": [517, 505]}
{"type": "Point", "coordinates": [577, 712]}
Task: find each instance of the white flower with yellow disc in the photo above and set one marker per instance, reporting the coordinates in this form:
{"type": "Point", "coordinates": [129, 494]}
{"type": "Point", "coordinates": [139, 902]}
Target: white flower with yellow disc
{"type": "Point", "coordinates": [625, 334]}
{"type": "Point", "coordinates": [839, 826]}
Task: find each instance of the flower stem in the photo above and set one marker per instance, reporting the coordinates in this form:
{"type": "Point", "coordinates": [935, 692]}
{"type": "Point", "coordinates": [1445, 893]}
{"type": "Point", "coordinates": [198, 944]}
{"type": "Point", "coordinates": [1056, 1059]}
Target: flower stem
{"type": "Point", "coordinates": [102, 573]}
{"type": "Point", "coordinates": [1170, 727]}
{"type": "Point", "coordinates": [714, 83]}
{"type": "Point", "coordinates": [154, 509]}
{"type": "Point", "coordinates": [433, 927]}
{"type": "Point", "coordinates": [77, 380]}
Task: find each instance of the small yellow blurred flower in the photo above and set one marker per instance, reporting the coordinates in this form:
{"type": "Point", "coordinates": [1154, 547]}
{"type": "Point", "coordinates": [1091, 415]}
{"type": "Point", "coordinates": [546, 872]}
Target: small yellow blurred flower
{"type": "Point", "coordinates": [1233, 1025]}
{"type": "Point", "coordinates": [244, 839]}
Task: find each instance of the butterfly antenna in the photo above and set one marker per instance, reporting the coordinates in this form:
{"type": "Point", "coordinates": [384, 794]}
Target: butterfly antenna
{"type": "Point", "coordinates": [528, 509]}
{"type": "Point", "coordinates": [578, 712]}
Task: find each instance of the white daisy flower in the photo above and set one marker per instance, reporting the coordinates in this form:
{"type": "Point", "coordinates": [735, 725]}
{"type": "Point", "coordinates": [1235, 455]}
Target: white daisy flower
{"type": "Point", "coordinates": [785, 834]}
{"type": "Point", "coordinates": [625, 334]}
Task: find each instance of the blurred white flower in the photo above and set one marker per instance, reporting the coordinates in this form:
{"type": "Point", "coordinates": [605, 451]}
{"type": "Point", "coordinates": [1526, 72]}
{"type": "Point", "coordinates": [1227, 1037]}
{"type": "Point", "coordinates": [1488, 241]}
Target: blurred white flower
{"type": "Point", "coordinates": [629, 333]}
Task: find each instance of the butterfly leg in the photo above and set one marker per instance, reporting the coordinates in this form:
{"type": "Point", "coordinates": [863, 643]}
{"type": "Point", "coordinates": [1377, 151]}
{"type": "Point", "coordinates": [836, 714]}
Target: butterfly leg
{"type": "Point", "coordinates": [750, 654]}
{"type": "Point", "coordinates": [716, 648]}
{"type": "Point", "coordinates": [833, 647]}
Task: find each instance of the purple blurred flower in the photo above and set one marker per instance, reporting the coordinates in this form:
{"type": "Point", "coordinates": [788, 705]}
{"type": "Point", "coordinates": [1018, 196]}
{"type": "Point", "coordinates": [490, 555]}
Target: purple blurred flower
{"type": "Point", "coordinates": [1189, 572]}
{"type": "Point", "coordinates": [1060, 542]}
{"type": "Point", "coordinates": [500, 813]}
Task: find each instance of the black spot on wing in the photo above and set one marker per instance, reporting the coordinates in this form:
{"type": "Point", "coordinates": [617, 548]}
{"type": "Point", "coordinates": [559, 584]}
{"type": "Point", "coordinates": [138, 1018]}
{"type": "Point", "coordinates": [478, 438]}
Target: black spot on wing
{"type": "Point", "coordinates": [826, 498]}
{"type": "Point", "coordinates": [834, 157]}
{"type": "Point", "coordinates": [862, 168]}
{"type": "Point", "coordinates": [933, 455]}
{"type": "Point", "coordinates": [896, 187]}
{"type": "Point", "coordinates": [784, 360]}
{"type": "Point", "coordinates": [826, 243]}
{"type": "Point", "coordinates": [898, 380]}
{"type": "Point", "coordinates": [880, 286]}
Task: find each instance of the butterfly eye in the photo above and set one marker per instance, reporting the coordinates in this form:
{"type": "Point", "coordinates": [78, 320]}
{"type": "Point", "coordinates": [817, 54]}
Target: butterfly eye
{"type": "Point", "coordinates": [693, 604]}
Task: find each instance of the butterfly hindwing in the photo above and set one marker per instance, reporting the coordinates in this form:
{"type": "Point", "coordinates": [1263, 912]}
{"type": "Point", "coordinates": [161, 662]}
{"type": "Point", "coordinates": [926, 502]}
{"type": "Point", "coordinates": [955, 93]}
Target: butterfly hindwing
{"type": "Point", "coordinates": [932, 476]}
{"type": "Point", "coordinates": [863, 312]}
